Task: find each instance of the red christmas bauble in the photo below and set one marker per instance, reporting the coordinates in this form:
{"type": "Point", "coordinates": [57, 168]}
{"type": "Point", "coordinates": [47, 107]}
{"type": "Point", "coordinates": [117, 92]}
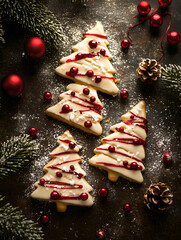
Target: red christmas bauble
{"type": "Point", "coordinates": [127, 207]}
{"type": "Point", "coordinates": [98, 79]}
{"type": "Point", "coordinates": [164, 3]}
{"type": "Point", "coordinates": [92, 99]}
{"type": "Point", "coordinates": [47, 96]}
{"type": "Point", "coordinates": [111, 149]}
{"type": "Point", "coordinates": [65, 108]}
{"type": "Point", "coordinates": [12, 85]}
{"type": "Point", "coordinates": [144, 8]}
{"type": "Point", "coordinates": [156, 20]}
{"type": "Point", "coordinates": [125, 43]}
{"type": "Point", "coordinates": [44, 219]}
{"type": "Point", "coordinates": [103, 192]}
{"type": "Point", "coordinates": [100, 234]}
{"type": "Point", "coordinates": [86, 91]}
{"type": "Point", "coordinates": [72, 145]}
{"type": "Point", "coordinates": [88, 124]}
{"type": "Point", "coordinates": [35, 47]}
{"type": "Point", "coordinates": [33, 131]}
{"type": "Point", "coordinates": [167, 158]}
{"type": "Point", "coordinates": [124, 94]}
{"type": "Point", "coordinates": [84, 196]}
{"type": "Point", "coordinates": [173, 38]}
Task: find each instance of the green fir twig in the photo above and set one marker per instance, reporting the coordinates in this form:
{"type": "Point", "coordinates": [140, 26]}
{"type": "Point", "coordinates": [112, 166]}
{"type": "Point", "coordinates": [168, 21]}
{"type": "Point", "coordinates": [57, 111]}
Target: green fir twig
{"type": "Point", "coordinates": [1, 33]}
{"type": "Point", "coordinates": [34, 16]}
{"type": "Point", "coordinates": [171, 77]}
{"type": "Point", "coordinates": [15, 152]}
{"type": "Point", "coordinates": [15, 226]}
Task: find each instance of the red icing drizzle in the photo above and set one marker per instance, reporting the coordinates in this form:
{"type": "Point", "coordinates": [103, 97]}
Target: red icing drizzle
{"type": "Point", "coordinates": [114, 165]}
{"type": "Point", "coordinates": [76, 160]}
{"type": "Point", "coordinates": [84, 55]}
{"type": "Point", "coordinates": [83, 75]}
{"type": "Point", "coordinates": [65, 140]}
{"type": "Point", "coordinates": [69, 186]}
{"type": "Point", "coordinates": [144, 119]}
{"type": "Point", "coordinates": [95, 35]}
{"type": "Point", "coordinates": [123, 154]}
{"type": "Point", "coordinates": [124, 140]}
{"type": "Point", "coordinates": [77, 197]}
{"type": "Point", "coordinates": [61, 153]}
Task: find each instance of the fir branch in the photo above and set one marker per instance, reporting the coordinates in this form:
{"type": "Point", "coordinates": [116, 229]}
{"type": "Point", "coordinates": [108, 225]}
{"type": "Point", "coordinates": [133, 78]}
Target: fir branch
{"type": "Point", "coordinates": [1, 33]}
{"type": "Point", "coordinates": [36, 17]}
{"type": "Point", "coordinates": [171, 77]}
{"type": "Point", "coordinates": [15, 152]}
{"type": "Point", "coordinates": [15, 226]}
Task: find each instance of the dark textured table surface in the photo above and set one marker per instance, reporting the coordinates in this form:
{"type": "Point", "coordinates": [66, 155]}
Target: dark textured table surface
{"type": "Point", "coordinates": [162, 109]}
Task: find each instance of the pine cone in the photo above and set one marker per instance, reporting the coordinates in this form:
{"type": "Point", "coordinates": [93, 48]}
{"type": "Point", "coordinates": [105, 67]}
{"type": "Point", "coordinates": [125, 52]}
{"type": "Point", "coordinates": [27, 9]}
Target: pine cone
{"type": "Point", "coordinates": [149, 70]}
{"type": "Point", "coordinates": [158, 197]}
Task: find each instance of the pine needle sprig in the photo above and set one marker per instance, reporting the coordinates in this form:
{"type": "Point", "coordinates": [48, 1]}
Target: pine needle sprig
{"type": "Point", "coordinates": [15, 226]}
{"type": "Point", "coordinates": [34, 16]}
{"type": "Point", "coordinates": [1, 33]}
{"type": "Point", "coordinates": [15, 152]}
{"type": "Point", "coordinates": [171, 77]}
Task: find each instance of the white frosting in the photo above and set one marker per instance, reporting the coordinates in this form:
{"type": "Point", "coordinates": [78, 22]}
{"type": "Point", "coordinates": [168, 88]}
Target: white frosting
{"type": "Point", "coordinates": [80, 105]}
{"type": "Point", "coordinates": [99, 64]}
{"type": "Point", "coordinates": [44, 192]}
{"type": "Point", "coordinates": [124, 147]}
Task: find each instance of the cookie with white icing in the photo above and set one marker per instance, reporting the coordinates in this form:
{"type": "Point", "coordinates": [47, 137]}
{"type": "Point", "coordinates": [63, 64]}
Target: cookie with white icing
{"type": "Point", "coordinates": [122, 152]}
{"type": "Point", "coordinates": [89, 64]}
{"type": "Point", "coordinates": [64, 181]}
{"type": "Point", "coordinates": [79, 107]}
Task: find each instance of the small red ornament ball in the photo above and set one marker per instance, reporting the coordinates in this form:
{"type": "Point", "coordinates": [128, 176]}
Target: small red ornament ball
{"type": "Point", "coordinates": [93, 44]}
{"type": "Point", "coordinates": [156, 21]}
{"type": "Point", "coordinates": [72, 145]}
{"type": "Point", "coordinates": [125, 43]}
{"type": "Point", "coordinates": [44, 219]}
{"type": "Point", "coordinates": [59, 174]}
{"type": "Point", "coordinates": [42, 181]}
{"type": "Point", "coordinates": [73, 71]}
{"type": "Point", "coordinates": [103, 192]}
{"type": "Point", "coordinates": [92, 99]}
{"type": "Point", "coordinates": [164, 3]}
{"type": "Point", "coordinates": [144, 8]}
{"type": "Point", "coordinates": [54, 195]}
{"type": "Point", "coordinates": [88, 124]}
{"type": "Point", "coordinates": [100, 234]}
{"type": "Point", "coordinates": [35, 47]}
{"type": "Point", "coordinates": [173, 38]}
{"type": "Point", "coordinates": [89, 73]}
{"type": "Point", "coordinates": [98, 79]}
{"type": "Point", "coordinates": [167, 158]}
{"type": "Point", "coordinates": [127, 207]}
{"type": "Point", "coordinates": [33, 131]}
{"type": "Point", "coordinates": [12, 85]}
{"type": "Point", "coordinates": [47, 96]}
{"type": "Point", "coordinates": [65, 108]}
{"type": "Point", "coordinates": [124, 94]}
{"type": "Point", "coordinates": [134, 166]}
{"type": "Point", "coordinates": [86, 91]}
{"type": "Point", "coordinates": [84, 196]}
{"type": "Point", "coordinates": [111, 149]}
{"type": "Point", "coordinates": [103, 52]}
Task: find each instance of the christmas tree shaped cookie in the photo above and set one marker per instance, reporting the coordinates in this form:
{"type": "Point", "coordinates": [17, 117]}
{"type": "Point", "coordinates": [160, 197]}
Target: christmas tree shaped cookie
{"type": "Point", "coordinates": [64, 181]}
{"type": "Point", "coordinates": [122, 152]}
{"type": "Point", "coordinates": [79, 107]}
{"type": "Point", "coordinates": [89, 64]}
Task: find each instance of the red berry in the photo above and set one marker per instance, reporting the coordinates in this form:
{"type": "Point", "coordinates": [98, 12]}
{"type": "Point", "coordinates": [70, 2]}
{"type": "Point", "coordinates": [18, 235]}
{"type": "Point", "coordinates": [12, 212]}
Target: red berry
{"type": "Point", "coordinates": [65, 108]}
{"type": "Point", "coordinates": [124, 94]}
{"type": "Point", "coordinates": [42, 181]}
{"type": "Point", "coordinates": [167, 158]}
{"type": "Point", "coordinates": [98, 79]}
{"type": "Point", "coordinates": [100, 234]}
{"type": "Point", "coordinates": [72, 93]}
{"type": "Point", "coordinates": [84, 196]}
{"type": "Point", "coordinates": [54, 195]}
{"type": "Point", "coordinates": [140, 167]}
{"type": "Point", "coordinates": [79, 55]}
{"type": "Point", "coordinates": [125, 162]}
{"type": "Point", "coordinates": [59, 174]}
{"type": "Point", "coordinates": [89, 73]}
{"type": "Point", "coordinates": [103, 52]}
{"type": "Point", "coordinates": [103, 192]}
{"type": "Point", "coordinates": [121, 129]}
{"type": "Point", "coordinates": [127, 207]}
{"type": "Point", "coordinates": [86, 91]}
{"type": "Point", "coordinates": [92, 99]}
{"type": "Point", "coordinates": [44, 219]}
{"type": "Point", "coordinates": [93, 44]}
{"type": "Point", "coordinates": [134, 166]}
{"type": "Point", "coordinates": [33, 131]}
{"type": "Point", "coordinates": [47, 96]}
{"type": "Point", "coordinates": [88, 124]}
{"type": "Point", "coordinates": [132, 116]}
{"type": "Point", "coordinates": [111, 149]}
{"type": "Point", "coordinates": [72, 145]}
{"type": "Point", "coordinates": [136, 141]}
{"type": "Point", "coordinates": [72, 167]}
{"type": "Point", "coordinates": [73, 71]}
{"type": "Point", "coordinates": [125, 43]}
